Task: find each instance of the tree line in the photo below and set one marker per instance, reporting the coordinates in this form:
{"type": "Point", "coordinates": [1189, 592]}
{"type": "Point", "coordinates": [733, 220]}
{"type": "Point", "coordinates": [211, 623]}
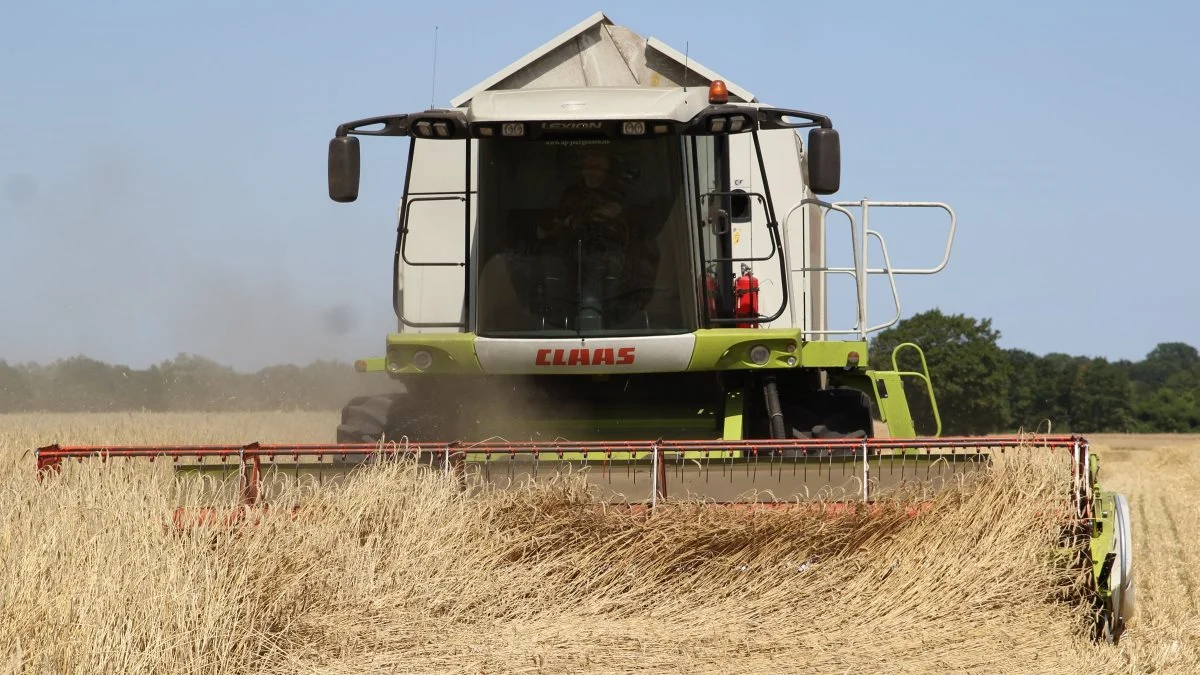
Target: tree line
{"type": "Point", "coordinates": [185, 383]}
{"type": "Point", "coordinates": [983, 388]}
{"type": "Point", "coordinates": [980, 387]}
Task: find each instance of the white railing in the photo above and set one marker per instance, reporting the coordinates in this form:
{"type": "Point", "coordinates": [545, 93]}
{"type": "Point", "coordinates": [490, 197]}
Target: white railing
{"type": "Point", "coordinates": [861, 270]}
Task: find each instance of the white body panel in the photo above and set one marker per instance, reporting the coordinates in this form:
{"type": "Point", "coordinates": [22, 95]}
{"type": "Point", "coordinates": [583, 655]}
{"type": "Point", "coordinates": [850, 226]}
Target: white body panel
{"type": "Point", "coordinates": [436, 222]}
{"type": "Point", "coordinates": [783, 157]}
{"type": "Point", "coordinates": [622, 355]}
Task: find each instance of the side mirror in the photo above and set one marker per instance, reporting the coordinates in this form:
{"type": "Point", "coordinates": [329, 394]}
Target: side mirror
{"type": "Point", "coordinates": [343, 169]}
{"type": "Point", "coordinates": [824, 161]}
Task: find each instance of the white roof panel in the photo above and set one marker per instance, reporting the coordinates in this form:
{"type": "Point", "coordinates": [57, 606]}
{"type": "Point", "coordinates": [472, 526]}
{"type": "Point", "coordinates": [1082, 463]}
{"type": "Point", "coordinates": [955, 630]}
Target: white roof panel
{"type": "Point", "coordinates": [597, 53]}
{"type": "Point", "coordinates": [596, 103]}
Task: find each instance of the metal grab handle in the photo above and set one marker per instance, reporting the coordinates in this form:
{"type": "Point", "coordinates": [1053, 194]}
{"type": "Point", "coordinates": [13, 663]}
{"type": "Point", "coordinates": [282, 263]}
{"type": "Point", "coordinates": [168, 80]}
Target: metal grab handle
{"type": "Point", "coordinates": [923, 376]}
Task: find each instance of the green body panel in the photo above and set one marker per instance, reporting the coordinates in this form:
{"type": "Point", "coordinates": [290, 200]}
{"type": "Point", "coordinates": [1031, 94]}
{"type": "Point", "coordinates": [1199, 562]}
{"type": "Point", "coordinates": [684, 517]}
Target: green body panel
{"type": "Point", "coordinates": [453, 353]}
{"type": "Point", "coordinates": [1104, 529]}
{"type": "Point", "coordinates": [886, 389]}
{"type": "Point", "coordinates": [715, 349]}
{"type": "Point", "coordinates": [893, 407]}
{"type": "Point", "coordinates": [833, 353]}
{"type": "Point", "coordinates": [729, 348]}
{"type": "Point", "coordinates": [734, 407]}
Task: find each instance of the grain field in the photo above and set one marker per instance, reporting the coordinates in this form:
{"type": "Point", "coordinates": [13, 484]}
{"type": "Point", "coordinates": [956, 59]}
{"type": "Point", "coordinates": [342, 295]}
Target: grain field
{"type": "Point", "coordinates": [397, 572]}
{"type": "Point", "coordinates": [1160, 474]}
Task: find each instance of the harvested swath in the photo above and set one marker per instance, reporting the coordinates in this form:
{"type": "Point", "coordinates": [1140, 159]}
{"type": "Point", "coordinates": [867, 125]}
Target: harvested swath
{"type": "Point", "coordinates": [397, 570]}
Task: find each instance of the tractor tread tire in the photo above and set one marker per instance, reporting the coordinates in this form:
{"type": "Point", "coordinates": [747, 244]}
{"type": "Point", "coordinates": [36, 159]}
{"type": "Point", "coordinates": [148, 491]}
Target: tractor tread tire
{"type": "Point", "coordinates": [366, 419]}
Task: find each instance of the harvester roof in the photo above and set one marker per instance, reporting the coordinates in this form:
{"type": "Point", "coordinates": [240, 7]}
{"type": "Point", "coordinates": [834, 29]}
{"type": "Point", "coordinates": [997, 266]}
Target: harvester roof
{"type": "Point", "coordinates": [595, 53]}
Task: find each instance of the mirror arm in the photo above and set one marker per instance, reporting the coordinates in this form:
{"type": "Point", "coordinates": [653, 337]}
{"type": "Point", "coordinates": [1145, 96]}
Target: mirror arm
{"type": "Point", "coordinates": [393, 125]}
{"type": "Point", "coordinates": [772, 118]}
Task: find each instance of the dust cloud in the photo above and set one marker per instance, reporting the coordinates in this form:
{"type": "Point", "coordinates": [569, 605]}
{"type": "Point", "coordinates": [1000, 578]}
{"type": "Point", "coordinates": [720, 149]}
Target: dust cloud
{"type": "Point", "coordinates": [128, 260]}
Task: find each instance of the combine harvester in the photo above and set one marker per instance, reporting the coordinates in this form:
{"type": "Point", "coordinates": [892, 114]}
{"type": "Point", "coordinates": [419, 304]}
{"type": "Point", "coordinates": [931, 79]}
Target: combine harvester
{"type": "Point", "coordinates": [611, 260]}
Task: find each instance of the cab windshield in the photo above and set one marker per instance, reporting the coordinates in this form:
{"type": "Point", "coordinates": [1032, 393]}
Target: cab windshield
{"type": "Point", "coordinates": [583, 238]}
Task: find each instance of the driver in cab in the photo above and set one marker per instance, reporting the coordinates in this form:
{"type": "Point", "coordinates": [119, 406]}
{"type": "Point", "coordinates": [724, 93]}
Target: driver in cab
{"type": "Point", "coordinates": [591, 208]}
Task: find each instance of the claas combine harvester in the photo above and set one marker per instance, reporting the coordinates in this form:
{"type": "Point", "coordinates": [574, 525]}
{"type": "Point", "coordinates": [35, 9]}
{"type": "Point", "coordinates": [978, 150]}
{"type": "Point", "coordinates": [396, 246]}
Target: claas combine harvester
{"type": "Point", "coordinates": [613, 261]}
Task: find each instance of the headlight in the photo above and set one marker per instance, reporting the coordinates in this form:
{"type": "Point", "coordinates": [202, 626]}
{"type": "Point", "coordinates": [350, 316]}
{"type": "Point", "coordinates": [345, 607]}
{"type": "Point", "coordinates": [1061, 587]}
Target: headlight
{"type": "Point", "coordinates": [422, 360]}
{"type": "Point", "coordinates": [759, 355]}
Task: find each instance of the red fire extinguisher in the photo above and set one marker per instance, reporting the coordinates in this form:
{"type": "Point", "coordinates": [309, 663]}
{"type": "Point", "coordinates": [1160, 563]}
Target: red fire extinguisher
{"type": "Point", "coordinates": [746, 293]}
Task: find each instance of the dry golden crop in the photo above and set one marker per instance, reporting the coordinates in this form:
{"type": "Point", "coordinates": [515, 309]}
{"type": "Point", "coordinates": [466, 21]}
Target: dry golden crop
{"type": "Point", "coordinates": [396, 571]}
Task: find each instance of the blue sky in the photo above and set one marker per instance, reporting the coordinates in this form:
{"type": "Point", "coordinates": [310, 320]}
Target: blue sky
{"type": "Point", "coordinates": [162, 167]}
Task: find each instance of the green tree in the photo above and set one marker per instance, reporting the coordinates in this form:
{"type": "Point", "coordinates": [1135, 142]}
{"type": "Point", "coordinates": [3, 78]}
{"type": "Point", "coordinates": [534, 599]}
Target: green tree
{"type": "Point", "coordinates": [1101, 397]}
{"type": "Point", "coordinates": [970, 372]}
{"type": "Point", "coordinates": [1168, 411]}
{"type": "Point", "coordinates": [1166, 388]}
{"type": "Point", "coordinates": [1031, 399]}
{"type": "Point", "coordinates": [82, 384]}
{"type": "Point", "coordinates": [196, 383]}
{"type": "Point", "coordinates": [1057, 383]}
{"type": "Point", "coordinates": [1164, 361]}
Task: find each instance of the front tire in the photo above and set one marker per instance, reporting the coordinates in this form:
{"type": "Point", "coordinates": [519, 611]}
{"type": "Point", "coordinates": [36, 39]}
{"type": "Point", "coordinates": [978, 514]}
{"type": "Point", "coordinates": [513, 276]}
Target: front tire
{"type": "Point", "coordinates": [368, 419]}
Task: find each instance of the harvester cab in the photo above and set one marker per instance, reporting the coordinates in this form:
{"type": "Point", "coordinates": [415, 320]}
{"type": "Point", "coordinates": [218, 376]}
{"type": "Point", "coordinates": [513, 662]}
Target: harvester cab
{"type": "Point", "coordinates": [612, 260]}
{"type": "Point", "coordinates": [645, 260]}
{"type": "Point", "coordinates": [619, 254]}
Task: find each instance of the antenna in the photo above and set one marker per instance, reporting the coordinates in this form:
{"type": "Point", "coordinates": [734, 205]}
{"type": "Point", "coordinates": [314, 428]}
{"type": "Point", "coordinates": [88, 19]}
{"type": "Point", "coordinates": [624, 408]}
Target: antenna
{"type": "Point", "coordinates": [686, 45]}
{"type": "Point", "coordinates": [433, 78]}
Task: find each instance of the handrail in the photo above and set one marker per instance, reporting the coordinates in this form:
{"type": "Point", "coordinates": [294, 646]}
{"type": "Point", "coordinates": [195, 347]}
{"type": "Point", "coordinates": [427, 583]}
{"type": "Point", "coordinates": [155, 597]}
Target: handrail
{"type": "Point", "coordinates": [861, 270]}
{"type": "Point", "coordinates": [865, 204]}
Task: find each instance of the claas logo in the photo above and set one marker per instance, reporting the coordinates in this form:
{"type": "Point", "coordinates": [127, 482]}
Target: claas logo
{"type": "Point", "coordinates": [600, 356]}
